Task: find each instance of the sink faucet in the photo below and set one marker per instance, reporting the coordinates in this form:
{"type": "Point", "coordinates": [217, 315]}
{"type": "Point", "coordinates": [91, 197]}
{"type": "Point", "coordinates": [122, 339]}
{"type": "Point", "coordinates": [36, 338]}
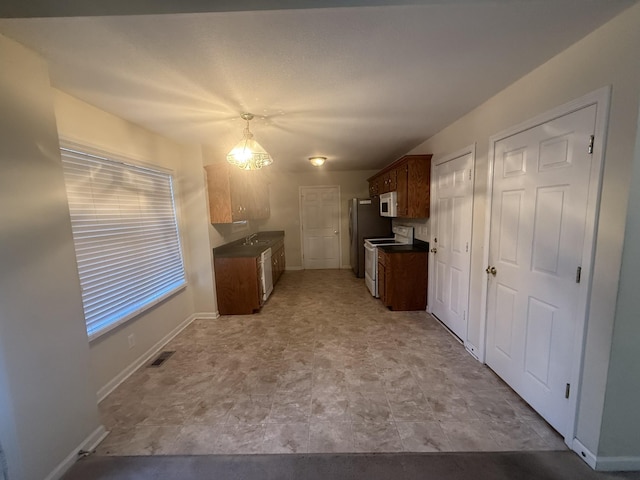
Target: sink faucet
{"type": "Point", "coordinates": [249, 238]}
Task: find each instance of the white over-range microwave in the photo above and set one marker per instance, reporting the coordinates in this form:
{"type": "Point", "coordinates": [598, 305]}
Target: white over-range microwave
{"type": "Point", "coordinates": [389, 204]}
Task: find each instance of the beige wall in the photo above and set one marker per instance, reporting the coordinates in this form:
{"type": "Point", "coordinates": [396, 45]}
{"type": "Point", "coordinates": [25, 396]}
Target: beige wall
{"type": "Point", "coordinates": [47, 402]}
{"type": "Point", "coordinates": [621, 420]}
{"type": "Point", "coordinates": [83, 123]}
{"type": "Point", "coordinates": [195, 224]}
{"type": "Point", "coordinates": [284, 197]}
{"type": "Point", "coordinates": [608, 56]}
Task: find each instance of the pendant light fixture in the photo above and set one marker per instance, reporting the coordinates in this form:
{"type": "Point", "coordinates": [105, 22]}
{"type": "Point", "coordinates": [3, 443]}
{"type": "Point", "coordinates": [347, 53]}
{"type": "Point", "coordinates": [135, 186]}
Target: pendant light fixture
{"type": "Point", "coordinates": [248, 154]}
{"type": "Point", "coordinates": [317, 161]}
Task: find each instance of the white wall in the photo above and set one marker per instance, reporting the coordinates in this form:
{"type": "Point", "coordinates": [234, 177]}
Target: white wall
{"type": "Point", "coordinates": [607, 56]}
{"type": "Point", "coordinates": [620, 434]}
{"type": "Point", "coordinates": [284, 197]}
{"type": "Point", "coordinates": [47, 405]}
{"type": "Point", "coordinates": [83, 123]}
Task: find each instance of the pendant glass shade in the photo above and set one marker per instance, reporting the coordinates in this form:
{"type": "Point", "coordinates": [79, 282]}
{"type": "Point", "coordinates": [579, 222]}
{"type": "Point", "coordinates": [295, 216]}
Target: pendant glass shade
{"type": "Point", "coordinates": [248, 154]}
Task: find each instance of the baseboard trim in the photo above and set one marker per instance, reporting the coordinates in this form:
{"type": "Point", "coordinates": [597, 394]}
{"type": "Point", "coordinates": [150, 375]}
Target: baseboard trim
{"type": "Point", "coordinates": [207, 315]}
{"type": "Point", "coordinates": [471, 350]}
{"type": "Point", "coordinates": [605, 464]}
{"type": "Point", "coordinates": [88, 444]}
{"type": "Point", "coordinates": [584, 453]}
{"type": "Point", "coordinates": [618, 464]}
{"type": "Point", "coordinates": [145, 357]}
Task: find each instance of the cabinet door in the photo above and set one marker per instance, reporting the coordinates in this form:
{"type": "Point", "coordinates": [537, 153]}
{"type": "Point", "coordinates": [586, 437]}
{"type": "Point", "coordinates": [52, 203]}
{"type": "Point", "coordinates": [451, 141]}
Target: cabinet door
{"type": "Point", "coordinates": [257, 196]}
{"type": "Point", "coordinates": [238, 285]}
{"type": "Point", "coordinates": [402, 187]}
{"type": "Point", "coordinates": [219, 193]}
{"type": "Point", "coordinates": [239, 205]}
{"type": "Point", "coordinates": [274, 268]}
{"type": "Point", "coordinates": [374, 185]}
{"type": "Point", "coordinates": [406, 281]}
{"type": "Point", "coordinates": [282, 261]}
{"type": "Point", "coordinates": [383, 183]}
{"type": "Point", "coordinates": [419, 177]}
{"type": "Point", "coordinates": [393, 183]}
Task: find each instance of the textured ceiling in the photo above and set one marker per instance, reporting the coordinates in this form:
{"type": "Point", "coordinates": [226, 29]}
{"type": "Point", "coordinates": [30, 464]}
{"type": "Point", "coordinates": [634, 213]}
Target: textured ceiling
{"type": "Point", "coordinates": [359, 85]}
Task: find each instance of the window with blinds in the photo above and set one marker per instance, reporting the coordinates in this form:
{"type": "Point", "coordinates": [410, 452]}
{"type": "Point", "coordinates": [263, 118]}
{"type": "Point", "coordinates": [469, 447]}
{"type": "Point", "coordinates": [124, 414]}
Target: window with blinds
{"type": "Point", "coordinates": [126, 237]}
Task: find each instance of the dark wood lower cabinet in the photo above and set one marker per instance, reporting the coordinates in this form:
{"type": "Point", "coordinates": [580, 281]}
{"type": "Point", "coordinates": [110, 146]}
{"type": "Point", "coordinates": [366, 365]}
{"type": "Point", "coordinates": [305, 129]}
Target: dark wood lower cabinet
{"type": "Point", "coordinates": [402, 279]}
{"type": "Point", "coordinates": [278, 262]}
{"type": "Point", "coordinates": [239, 281]}
{"type": "Point", "coordinates": [238, 285]}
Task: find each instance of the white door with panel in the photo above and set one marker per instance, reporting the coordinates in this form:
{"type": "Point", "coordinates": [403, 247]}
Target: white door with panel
{"type": "Point", "coordinates": [320, 212]}
{"type": "Point", "coordinates": [538, 213]}
{"type": "Point", "coordinates": [451, 242]}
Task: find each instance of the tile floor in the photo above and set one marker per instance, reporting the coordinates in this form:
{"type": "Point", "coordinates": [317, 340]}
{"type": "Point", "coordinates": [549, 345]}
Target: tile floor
{"type": "Point", "coordinates": [322, 368]}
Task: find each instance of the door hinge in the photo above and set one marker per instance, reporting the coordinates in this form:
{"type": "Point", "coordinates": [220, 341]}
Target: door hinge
{"type": "Point", "coordinates": [567, 390]}
{"type": "Point", "coordinates": [469, 174]}
{"type": "Point", "coordinates": [591, 140]}
{"type": "Point", "coordinates": [578, 274]}
{"type": "Point", "coordinates": [467, 248]}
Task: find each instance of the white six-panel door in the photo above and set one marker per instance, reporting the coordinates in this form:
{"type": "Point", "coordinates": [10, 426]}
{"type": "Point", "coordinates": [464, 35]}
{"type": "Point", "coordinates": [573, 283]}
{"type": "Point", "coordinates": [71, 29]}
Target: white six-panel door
{"type": "Point", "coordinates": [452, 197]}
{"type": "Point", "coordinates": [320, 215]}
{"type": "Point", "coordinates": [538, 212]}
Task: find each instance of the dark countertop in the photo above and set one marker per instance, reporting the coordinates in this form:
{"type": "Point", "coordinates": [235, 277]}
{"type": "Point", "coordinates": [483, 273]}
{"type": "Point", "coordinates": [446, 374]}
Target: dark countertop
{"type": "Point", "coordinates": [259, 244]}
{"type": "Point", "coordinates": [417, 246]}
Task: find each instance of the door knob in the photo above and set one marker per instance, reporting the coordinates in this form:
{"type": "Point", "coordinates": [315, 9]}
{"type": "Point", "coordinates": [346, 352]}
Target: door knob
{"type": "Point", "coordinates": [434, 250]}
{"type": "Point", "coordinates": [335, 231]}
{"type": "Point", "coordinates": [491, 270]}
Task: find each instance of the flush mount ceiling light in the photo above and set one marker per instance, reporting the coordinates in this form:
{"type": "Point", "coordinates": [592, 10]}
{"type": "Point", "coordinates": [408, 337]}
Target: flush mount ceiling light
{"type": "Point", "coordinates": [248, 154]}
{"type": "Point", "coordinates": [317, 161]}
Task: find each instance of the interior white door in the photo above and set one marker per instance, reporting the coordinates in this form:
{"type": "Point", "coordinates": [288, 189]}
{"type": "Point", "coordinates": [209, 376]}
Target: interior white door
{"type": "Point", "coordinates": [537, 229]}
{"type": "Point", "coordinates": [451, 242]}
{"type": "Point", "coordinates": [320, 212]}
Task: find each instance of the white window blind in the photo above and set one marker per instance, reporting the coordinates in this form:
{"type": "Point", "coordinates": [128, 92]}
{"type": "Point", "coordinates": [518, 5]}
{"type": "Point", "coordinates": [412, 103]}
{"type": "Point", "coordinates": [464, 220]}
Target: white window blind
{"type": "Point", "coordinates": [126, 237]}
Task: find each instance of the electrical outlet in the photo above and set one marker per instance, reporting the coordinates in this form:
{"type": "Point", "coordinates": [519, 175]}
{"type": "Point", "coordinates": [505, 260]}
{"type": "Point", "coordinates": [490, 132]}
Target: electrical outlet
{"type": "Point", "coordinates": [132, 340]}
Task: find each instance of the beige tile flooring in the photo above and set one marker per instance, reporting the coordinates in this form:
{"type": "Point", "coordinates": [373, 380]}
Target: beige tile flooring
{"type": "Point", "coordinates": [322, 368]}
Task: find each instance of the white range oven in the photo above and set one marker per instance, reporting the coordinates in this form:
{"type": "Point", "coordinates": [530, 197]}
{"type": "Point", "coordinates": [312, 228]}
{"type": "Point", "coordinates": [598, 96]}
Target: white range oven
{"type": "Point", "coordinates": [402, 235]}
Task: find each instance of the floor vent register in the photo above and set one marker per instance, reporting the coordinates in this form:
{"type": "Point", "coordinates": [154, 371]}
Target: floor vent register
{"type": "Point", "coordinates": [160, 359]}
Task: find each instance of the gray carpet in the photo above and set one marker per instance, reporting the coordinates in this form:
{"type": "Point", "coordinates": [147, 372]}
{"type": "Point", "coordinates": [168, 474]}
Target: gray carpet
{"type": "Point", "coordinates": [549, 465]}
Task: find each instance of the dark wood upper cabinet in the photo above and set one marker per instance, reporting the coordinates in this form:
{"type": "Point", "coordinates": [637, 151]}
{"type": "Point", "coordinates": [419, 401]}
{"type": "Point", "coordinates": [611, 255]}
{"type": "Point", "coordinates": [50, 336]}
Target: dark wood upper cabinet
{"type": "Point", "coordinates": [410, 176]}
{"type": "Point", "coordinates": [418, 186]}
{"type": "Point", "coordinates": [374, 187]}
{"type": "Point", "coordinates": [402, 187]}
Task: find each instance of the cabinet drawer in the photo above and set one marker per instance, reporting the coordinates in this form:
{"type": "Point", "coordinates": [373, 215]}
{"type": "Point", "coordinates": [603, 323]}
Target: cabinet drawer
{"type": "Point", "coordinates": [382, 257]}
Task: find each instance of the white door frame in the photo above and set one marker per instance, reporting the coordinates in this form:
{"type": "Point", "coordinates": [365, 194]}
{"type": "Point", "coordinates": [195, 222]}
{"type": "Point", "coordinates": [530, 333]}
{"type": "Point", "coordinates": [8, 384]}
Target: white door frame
{"type": "Point", "coordinates": [300, 190]}
{"type": "Point", "coordinates": [469, 150]}
{"type": "Point", "coordinates": [601, 98]}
